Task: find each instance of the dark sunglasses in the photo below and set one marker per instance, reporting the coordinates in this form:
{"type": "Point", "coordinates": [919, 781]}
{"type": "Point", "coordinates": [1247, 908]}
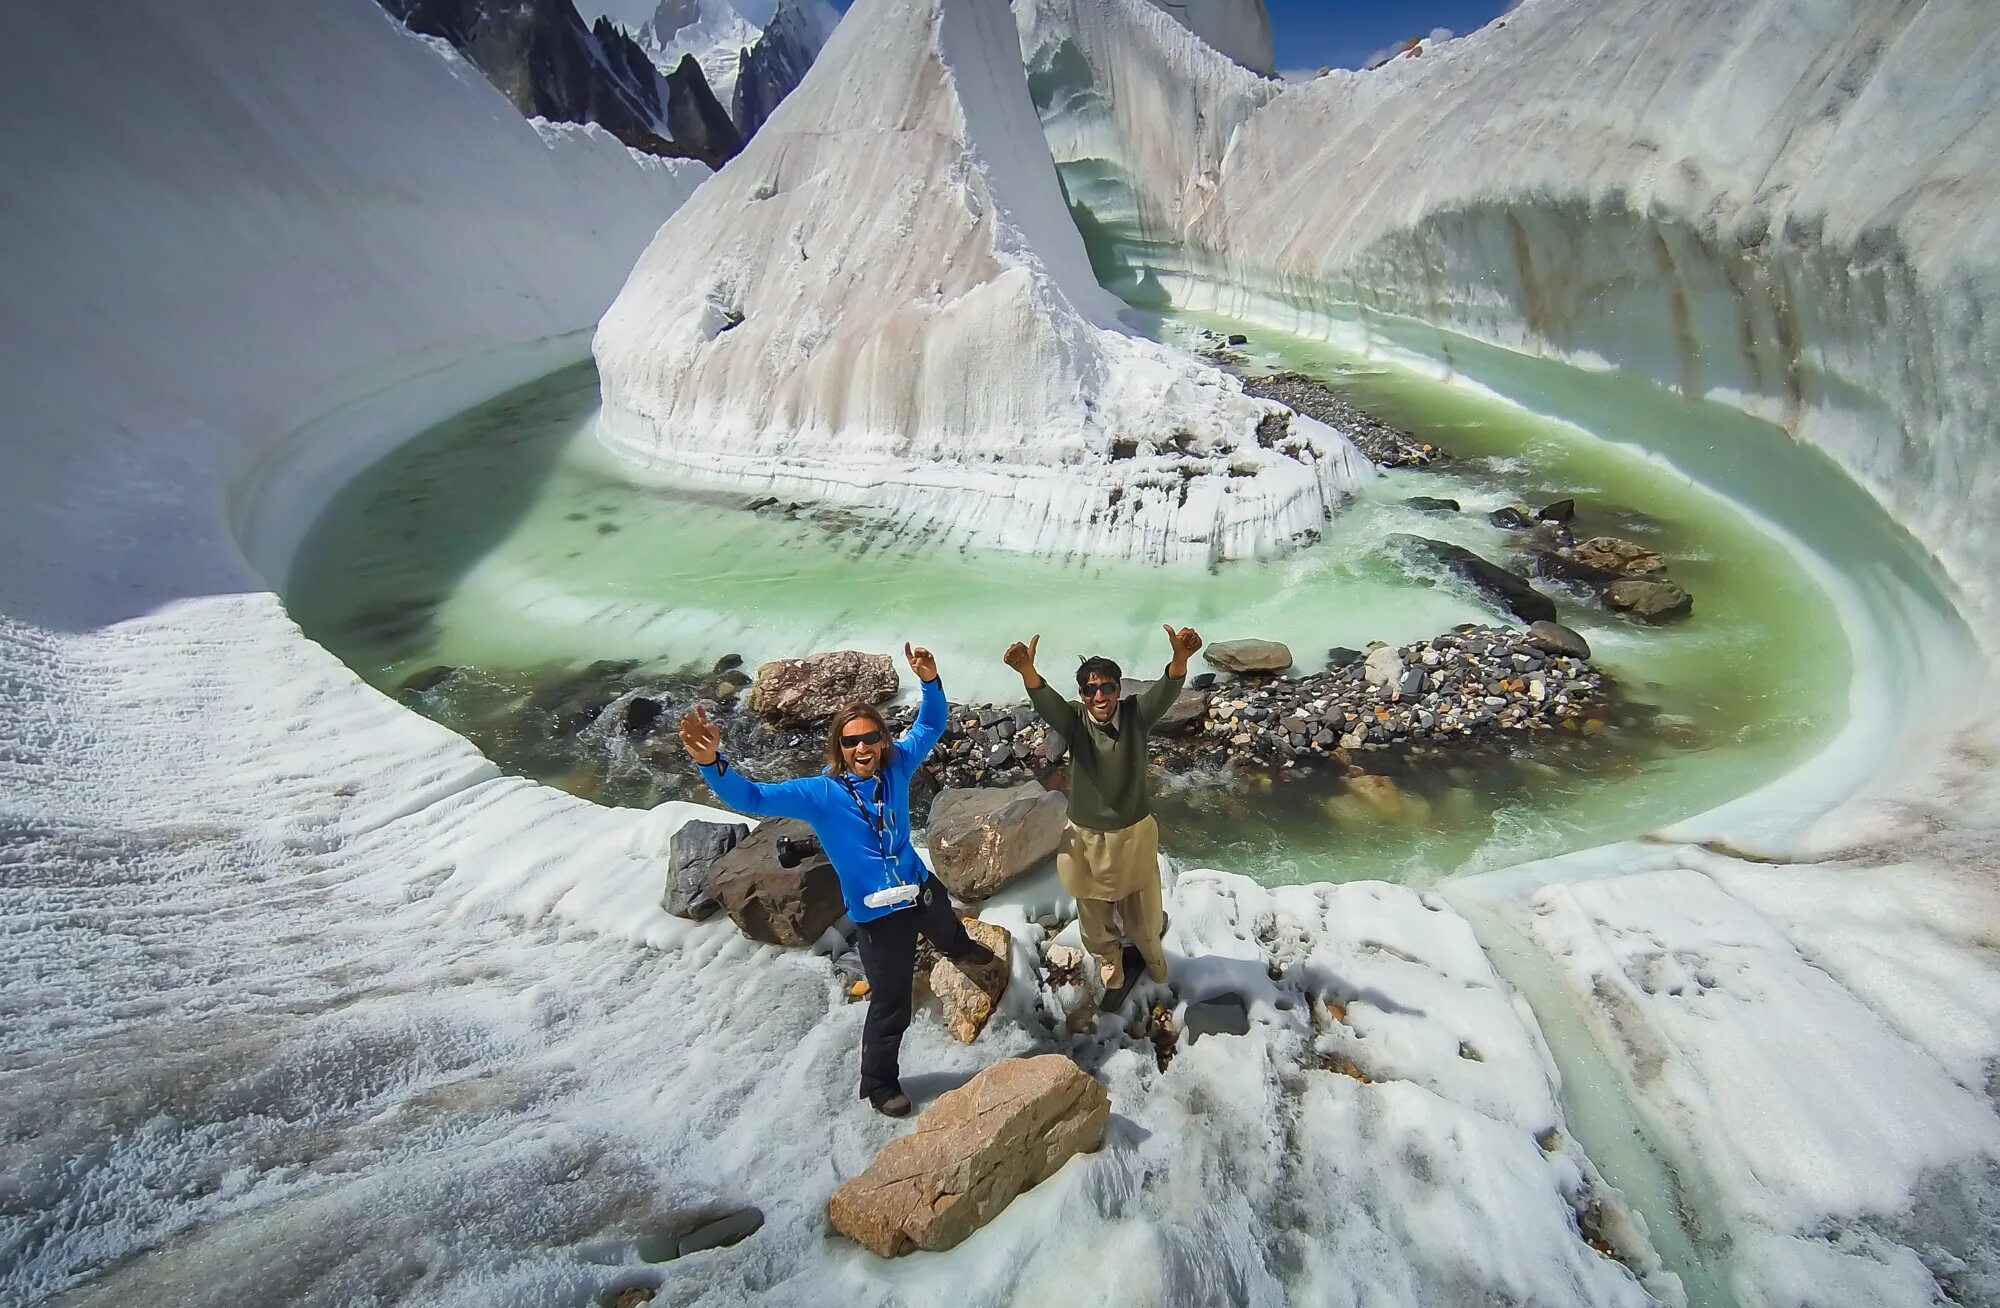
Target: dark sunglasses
{"type": "Point", "coordinates": [861, 738]}
{"type": "Point", "coordinates": [1096, 688]}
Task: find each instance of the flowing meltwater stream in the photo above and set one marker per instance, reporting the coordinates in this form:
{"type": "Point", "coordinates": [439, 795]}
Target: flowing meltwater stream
{"type": "Point", "coordinates": [505, 544]}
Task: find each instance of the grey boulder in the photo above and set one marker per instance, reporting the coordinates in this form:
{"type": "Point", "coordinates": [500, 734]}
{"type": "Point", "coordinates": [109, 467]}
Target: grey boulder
{"type": "Point", "coordinates": [980, 840]}
{"type": "Point", "coordinates": [691, 856]}
{"type": "Point", "coordinates": [814, 688]}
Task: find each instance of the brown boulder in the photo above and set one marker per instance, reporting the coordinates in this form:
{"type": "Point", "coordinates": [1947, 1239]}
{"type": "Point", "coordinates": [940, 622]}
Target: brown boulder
{"type": "Point", "coordinates": [1623, 557]}
{"type": "Point", "coordinates": [770, 902]}
{"type": "Point", "coordinates": [982, 839]}
{"type": "Point", "coordinates": [967, 1004]}
{"type": "Point", "coordinates": [1005, 1131]}
{"type": "Point", "coordinates": [814, 688]}
{"type": "Point", "coordinates": [1249, 656]}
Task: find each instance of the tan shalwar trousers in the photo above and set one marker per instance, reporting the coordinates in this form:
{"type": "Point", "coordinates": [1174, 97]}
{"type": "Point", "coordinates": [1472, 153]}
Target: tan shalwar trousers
{"type": "Point", "coordinates": [1115, 876]}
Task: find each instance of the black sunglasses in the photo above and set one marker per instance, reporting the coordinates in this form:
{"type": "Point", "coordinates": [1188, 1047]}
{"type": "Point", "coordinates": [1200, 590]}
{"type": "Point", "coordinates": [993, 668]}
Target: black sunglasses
{"type": "Point", "coordinates": [861, 738]}
{"type": "Point", "coordinates": [1096, 688]}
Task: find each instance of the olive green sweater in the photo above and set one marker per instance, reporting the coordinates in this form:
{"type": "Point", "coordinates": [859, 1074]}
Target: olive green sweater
{"type": "Point", "coordinates": [1107, 775]}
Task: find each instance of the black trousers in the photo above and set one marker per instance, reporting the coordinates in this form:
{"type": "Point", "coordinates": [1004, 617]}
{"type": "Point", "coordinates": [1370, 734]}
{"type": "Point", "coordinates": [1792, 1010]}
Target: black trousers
{"type": "Point", "coordinates": [888, 948]}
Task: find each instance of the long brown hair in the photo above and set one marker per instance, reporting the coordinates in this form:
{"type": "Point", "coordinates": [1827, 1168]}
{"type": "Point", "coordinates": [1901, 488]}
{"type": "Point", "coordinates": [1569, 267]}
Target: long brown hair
{"type": "Point", "coordinates": [835, 763]}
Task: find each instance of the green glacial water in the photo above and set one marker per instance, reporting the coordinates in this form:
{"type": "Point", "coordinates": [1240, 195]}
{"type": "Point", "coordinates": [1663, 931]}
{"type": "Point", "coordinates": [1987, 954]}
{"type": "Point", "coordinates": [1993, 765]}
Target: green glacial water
{"type": "Point", "coordinates": [506, 544]}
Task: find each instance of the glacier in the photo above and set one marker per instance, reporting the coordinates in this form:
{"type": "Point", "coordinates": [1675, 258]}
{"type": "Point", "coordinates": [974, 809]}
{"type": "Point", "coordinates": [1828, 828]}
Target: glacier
{"type": "Point", "coordinates": [882, 302]}
{"type": "Point", "coordinates": [304, 1000]}
{"type": "Point", "coordinates": [1782, 208]}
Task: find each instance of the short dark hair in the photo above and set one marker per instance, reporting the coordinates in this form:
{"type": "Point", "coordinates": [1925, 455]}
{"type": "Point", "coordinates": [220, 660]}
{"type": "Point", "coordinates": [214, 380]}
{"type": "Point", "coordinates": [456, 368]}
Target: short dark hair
{"type": "Point", "coordinates": [1097, 663]}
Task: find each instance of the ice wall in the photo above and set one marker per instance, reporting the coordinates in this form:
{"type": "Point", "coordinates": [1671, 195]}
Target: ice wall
{"type": "Point", "coordinates": [1238, 28]}
{"type": "Point", "coordinates": [884, 302]}
{"type": "Point", "coordinates": [1786, 205]}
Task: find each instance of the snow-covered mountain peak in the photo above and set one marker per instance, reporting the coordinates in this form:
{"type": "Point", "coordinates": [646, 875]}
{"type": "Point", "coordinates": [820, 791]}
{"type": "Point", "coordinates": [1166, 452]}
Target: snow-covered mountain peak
{"type": "Point", "coordinates": [715, 32]}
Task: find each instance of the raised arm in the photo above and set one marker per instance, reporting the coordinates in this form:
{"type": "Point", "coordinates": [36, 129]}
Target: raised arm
{"type": "Point", "coordinates": [1160, 696]}
{"type": "Point", "coordinates": [922, 737]}
{"type": "Point", "coordinates": [1055, 710]}
{"type": "Point", "coordinates": [703, 743]}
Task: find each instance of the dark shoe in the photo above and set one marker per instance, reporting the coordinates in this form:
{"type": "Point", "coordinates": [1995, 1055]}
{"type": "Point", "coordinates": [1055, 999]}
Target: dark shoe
{"type": "Point", "coordinates": [983, 968]}
{"type": "Point", "coordinates": [892, 1105]}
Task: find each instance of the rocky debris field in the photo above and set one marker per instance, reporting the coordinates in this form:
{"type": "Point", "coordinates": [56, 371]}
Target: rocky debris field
{"type": "Point", "coordinates": [1379, 443]}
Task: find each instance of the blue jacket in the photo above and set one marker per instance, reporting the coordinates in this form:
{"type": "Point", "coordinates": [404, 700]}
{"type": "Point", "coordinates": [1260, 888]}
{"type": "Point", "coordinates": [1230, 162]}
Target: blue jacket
{"type": "Point", "coordinates": [845, 831]}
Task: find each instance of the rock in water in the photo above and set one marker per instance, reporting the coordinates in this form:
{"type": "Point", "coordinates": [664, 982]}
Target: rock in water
{"type": "Point", "coordinates": [1554, 636]}
{"type": "Point", "coordinates": [691, 856]}
{"type": "Point", "coordinates": [1249, 656]}
{"type": "Point", "coordinates": [982, 839]}
{"type": "Point", "coordinates": [1431, 504]}
{"type": "Point", "coordinates": [1005, 1131]}
{"type": "Point", "coordinates": [814, 688]}
{"type": "Point", "coordinates": [1510, 591]}
{"type": "Point", "coordinates": [770, 902]}
{"type": "Point", "coordinates": [967, 1003]}
{"type": "Point", "coordinates": [1624, 557]}
{"type": "Point", "coordinates": [1651, 600]}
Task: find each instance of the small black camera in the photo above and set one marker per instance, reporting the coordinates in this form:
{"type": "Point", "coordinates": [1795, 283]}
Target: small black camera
{"type": "Point", "coordinates": [794, 850]}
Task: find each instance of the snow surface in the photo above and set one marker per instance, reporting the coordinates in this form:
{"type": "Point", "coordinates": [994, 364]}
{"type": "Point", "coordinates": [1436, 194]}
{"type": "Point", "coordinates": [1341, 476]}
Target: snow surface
{"type": "Point", "coordinates": [883, 301]}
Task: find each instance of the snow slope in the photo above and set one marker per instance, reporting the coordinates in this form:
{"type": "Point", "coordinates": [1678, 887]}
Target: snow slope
{"type": "Point", "coordinates": [885, 303]}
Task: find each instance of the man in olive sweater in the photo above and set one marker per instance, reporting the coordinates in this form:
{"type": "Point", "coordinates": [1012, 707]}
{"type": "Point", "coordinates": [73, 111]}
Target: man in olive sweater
{"type": "Point", "coordinates": [1110, 852]}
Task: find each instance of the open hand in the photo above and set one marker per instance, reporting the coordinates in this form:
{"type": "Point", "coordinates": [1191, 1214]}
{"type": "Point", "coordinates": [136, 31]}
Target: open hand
{"type": "Point", "coordinates": [1021, 657]}
{"type": "Point", "coordinates": [1185, 641]}
{"type": "Point", "coordinates": [699, 737]}
{"type": "Point", "coordinates": [921, 662]}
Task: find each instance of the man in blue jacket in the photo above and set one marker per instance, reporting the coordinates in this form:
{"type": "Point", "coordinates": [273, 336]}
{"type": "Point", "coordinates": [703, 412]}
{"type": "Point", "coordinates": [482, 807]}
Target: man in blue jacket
{"type": "Point", "coordinates": [860, 810]}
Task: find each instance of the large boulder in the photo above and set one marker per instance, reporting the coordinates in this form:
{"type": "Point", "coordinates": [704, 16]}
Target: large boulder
{"type": "Point", "coordinates": [967, 1003]}
{"type": "Point", "coordinates": [814, 688]}
{"type": "Point", "coordinates": [982, 839]}
{"type": "Point", "coordinates": [691, 857]}
{"type": "Point", "coordinates": [1649, 599]}
{"type": "Point", "coordinates": [1249, 655]}
{"type": "Point", "coordinates": [770, 902]}
{"type": "Point", "coordinates": [1555, 637]}
{"type": "Point", "coordinates": [1001, 1133]}
{"type": "Point", "coordinates": [1505, 588]}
